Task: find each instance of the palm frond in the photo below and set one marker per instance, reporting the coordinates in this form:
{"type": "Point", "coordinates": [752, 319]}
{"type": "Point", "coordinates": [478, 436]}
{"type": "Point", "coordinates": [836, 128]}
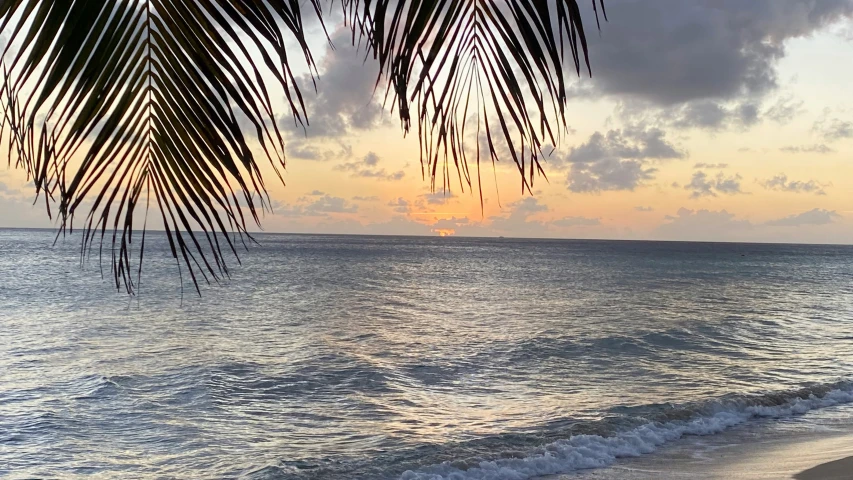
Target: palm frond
{"type": "Point", "coordinates": [112, 105]}
{"type": "Point", "coordinates": [500, 61]}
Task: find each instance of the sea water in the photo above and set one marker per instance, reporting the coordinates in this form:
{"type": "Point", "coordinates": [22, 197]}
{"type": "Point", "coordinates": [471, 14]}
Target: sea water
{"type": "Point", "coordinates": [353, 357]}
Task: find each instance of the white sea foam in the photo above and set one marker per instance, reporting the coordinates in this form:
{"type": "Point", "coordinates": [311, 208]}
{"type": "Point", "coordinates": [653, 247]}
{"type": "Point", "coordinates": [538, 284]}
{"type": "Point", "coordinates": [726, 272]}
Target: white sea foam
{"type": "Point", "coordinates": [593, 451]}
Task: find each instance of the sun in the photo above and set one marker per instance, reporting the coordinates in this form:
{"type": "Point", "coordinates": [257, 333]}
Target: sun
{"type": "Point", "coordinates": [444, 232]}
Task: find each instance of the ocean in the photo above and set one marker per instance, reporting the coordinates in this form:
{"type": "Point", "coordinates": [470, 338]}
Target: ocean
{"type": "Point", "coordinates": [358, 357]}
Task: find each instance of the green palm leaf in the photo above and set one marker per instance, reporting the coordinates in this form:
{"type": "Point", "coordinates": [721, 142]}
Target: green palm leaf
{"type": "Point", "coordinates": [114, 105]}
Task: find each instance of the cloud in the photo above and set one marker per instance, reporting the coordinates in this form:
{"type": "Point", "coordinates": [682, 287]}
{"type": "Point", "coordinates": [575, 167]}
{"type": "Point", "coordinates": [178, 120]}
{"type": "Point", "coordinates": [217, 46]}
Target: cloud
{"type": "Point", "coordinates": [618, 160]}
{"type": "Point", "coordinates": [702, 225]}
{"type": "Point", "coordinates": [816, 148]}
{"type": "Point", "coordinates": [814, 226]}
{"type": "Point", "coordinates": [329, 204]}
{"type": "Point", "coordinates": [636, 143]}
{"type": "Point", "coordinates": [576, 222]}
{"type": "Point", "coordinates": [527, 206]}
{"type": "Point", "coordinates": [17, 211]}
{"type": "Point", "coordinates": [519, 220]}
{"type": "Point", "coordinates": [644, 209]}
{"type": "Point", "coordinates": [675, 51]}
{"type": "Point", "coordinates": [701, 64]}
{"type": "Point", "coordinates": [438, 198]}
{"type": "Point", "coordinates": [309, 150]}
{"type": "Point", "coordinates": [833, 129]}
{"type": "Point", "coordinates": [712, 166]}
{"type": "Point", "coordinates": [400, 205]}
{"type": "Point", "coordinates": [359, 198]}
{"type": "Point", "coordinates": [7, 190]}
{"type": "Point", "coordinates": [728, 185]}
{"type": "Point", "coordinates": [345, 100]}
{"type": "Point", "coordinates": [705, 114]}
{"type": "Point", "coordinates": [371, 159]}
{"type": "Point", "coordinates": [701, 185]}
{"type": "Point", "coordinates": [784, 110]}
{"type": "Point", "coordinates": [815, 216]}
{"type": "Point", "coordinates": [316, 193]}
{"type": "Point", "coordinates": [367, 167]}
{"type": "Point", "coordinates": [780, 182]}
{"type": "Point", "coordinates": [451, 223]}
{"type": "Point", "coordinates": [315, 206]}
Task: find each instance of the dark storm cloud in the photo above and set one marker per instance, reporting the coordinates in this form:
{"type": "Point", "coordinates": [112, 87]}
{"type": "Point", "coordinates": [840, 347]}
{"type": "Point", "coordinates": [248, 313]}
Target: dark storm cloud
{"type": "Point", "coordinates": [700, 63]}
{"type": "Point", "coordinates": [676, 51]}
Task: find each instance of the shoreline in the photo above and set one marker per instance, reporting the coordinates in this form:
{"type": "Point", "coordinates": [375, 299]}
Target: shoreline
{"type": "Point", "coordinates": [758, 453]}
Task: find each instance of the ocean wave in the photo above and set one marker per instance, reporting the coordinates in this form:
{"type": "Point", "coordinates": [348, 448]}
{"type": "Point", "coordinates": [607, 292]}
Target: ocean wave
{"type": "Point", "coordinates": [664, 425]}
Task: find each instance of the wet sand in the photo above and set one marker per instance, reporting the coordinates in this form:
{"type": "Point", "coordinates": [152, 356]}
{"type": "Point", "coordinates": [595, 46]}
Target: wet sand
{"type": "Point", "coordinates": [835, 470]}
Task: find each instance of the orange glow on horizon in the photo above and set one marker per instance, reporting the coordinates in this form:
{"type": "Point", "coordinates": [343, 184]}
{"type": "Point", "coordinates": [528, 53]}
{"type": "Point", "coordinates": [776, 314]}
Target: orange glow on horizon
{"type": "Point", "coordinates": [439, 213]}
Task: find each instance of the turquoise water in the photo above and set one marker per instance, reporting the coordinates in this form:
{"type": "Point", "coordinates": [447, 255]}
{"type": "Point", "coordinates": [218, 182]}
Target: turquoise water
{"type": "Point", "coordinates": [344, 357]}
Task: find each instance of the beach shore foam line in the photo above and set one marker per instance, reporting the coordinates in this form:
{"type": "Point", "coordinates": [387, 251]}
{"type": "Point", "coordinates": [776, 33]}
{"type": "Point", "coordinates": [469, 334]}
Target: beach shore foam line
{"type": "Point", "coordinates": [581, 452]}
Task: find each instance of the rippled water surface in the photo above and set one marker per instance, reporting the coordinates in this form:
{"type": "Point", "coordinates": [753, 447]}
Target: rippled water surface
{"type": "Point", "coordinates": [380, 357]}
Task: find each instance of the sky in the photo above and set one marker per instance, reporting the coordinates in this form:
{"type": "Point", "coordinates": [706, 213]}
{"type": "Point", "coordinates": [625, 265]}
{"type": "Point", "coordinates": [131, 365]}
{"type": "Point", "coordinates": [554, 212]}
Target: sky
{"type": "Point", "coordinates": [703, 120]}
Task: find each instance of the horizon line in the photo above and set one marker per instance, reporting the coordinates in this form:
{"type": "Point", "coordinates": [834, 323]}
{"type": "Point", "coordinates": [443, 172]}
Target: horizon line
{"type": "Point", "coordinates": [59, 233]}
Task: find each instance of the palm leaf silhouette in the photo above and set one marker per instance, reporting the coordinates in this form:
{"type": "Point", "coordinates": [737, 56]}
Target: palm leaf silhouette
{"type": "Point", "coordinates": [113, 106]}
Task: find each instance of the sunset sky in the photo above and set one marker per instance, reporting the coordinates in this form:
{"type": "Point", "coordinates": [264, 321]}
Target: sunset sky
{"type": "Point", "coordinates": [704, 120]}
